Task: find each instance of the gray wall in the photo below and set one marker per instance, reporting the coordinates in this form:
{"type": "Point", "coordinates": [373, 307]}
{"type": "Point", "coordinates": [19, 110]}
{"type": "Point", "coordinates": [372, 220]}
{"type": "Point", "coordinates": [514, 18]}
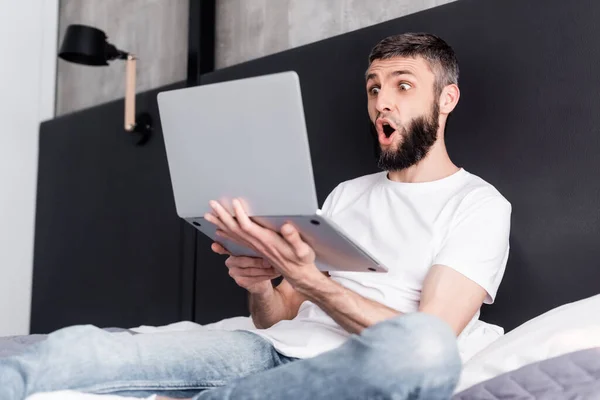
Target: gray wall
{"type": "Point", "coordinates": [248, 29]}
{"type": "Point", "coordinates": [154, 30]}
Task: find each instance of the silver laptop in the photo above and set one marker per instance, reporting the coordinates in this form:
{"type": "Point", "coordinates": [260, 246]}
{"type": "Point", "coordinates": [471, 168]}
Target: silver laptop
{"type": "Point", "coordinates": [247, 139]}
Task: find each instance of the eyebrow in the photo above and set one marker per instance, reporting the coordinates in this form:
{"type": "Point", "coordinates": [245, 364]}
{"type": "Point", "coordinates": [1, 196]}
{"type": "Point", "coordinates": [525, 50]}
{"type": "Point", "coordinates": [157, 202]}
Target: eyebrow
{"type": "Point", "coordinates": [395, 73]}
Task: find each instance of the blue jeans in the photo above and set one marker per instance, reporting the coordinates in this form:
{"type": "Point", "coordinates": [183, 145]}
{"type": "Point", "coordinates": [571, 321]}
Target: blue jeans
{"type": "Point", "coordinates": [408, 357]}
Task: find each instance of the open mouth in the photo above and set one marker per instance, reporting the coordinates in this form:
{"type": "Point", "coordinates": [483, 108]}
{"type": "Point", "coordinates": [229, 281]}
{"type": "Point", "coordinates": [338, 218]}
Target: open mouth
{"type": "Point", "coordinates": [388, 130]}
{"type": "Point", "coordinates": [385, 130]}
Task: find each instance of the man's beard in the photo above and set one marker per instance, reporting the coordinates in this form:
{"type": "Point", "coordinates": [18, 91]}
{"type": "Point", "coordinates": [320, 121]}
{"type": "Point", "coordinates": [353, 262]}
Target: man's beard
{"type": "Point", "coordinates": [416, 140]}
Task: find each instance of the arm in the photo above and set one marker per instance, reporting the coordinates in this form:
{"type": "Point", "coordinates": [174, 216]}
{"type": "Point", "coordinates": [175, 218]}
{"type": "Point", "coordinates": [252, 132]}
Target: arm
{"type": "Point", "coordinates": [295, 260]}
{"type": "Point", "coordinates": [451, 296]}
{"type": "Point", "coordinates": [466, 271]}
{"type": "Point", "coordinates": [446, 294]}
{"type": "Point", "coordinates": [275, 304]}
{"type": "Point", "coordinates": [268, 305]}
{"type": "Point", "coordinates": [352, 311]}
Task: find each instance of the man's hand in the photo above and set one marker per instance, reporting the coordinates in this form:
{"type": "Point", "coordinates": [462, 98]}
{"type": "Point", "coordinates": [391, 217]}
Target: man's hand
{"type": "Point", "coordinates": [253, 274]}
{"type": "Point", "coordinates": [286, 252]}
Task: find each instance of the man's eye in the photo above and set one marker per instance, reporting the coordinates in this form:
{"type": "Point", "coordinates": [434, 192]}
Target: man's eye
{"type": "Point", "coordinates": [405, 86]}
{"type": "Point", "coordinates": [374, 90]}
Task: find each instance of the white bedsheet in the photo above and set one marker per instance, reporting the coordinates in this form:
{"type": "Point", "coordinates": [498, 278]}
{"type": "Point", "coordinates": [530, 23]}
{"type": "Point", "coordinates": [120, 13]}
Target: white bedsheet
{"type": "Point", "coordinates": [228, 324]}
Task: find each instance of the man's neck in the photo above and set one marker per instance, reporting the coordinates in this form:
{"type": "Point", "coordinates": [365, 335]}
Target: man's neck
{"type": "Point", "coordinates": [435, 166]}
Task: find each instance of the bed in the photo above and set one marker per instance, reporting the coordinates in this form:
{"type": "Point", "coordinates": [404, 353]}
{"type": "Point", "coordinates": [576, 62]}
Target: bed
{"type": "Point", "coordinates": [527, 122]}
{"type": "Point", "coordinates": [555, 354]}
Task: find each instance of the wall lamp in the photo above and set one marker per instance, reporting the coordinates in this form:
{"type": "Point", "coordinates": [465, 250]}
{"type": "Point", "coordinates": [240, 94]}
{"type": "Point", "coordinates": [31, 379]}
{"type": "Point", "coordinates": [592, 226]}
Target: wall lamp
{"type": "Point", "coordinates": [89, 46]}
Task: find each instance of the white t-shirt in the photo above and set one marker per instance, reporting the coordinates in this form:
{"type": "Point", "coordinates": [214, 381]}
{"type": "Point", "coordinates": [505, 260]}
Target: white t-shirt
{"type": "Point", "coordinates": [460, 221]}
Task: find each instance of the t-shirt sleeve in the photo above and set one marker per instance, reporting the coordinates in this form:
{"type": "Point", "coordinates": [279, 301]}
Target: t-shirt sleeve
{"type": "Point", "coordinates": [476, 243]}
{"type": "Point", "coordinates": [330, 202]}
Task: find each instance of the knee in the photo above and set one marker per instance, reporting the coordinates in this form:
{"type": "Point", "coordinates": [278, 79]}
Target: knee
{"type": "Point", "coordinates": [74, 333]}
{"type": "Point", "coordinates": [75, 339]}
{"type": "Point", "coordinates": [417, 344]}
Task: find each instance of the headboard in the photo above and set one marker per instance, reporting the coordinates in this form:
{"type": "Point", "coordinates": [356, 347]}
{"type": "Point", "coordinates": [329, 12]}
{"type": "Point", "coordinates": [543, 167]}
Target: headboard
{"type": "Point", "coordinates": [528, 122]}
{"type": "Point", "coordinates": [110, 249]}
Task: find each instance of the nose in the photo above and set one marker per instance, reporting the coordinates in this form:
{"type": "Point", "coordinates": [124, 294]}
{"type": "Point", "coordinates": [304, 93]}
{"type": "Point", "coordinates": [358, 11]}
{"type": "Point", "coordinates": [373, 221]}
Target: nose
{"type": "Point", "coordinates": [384, 101]}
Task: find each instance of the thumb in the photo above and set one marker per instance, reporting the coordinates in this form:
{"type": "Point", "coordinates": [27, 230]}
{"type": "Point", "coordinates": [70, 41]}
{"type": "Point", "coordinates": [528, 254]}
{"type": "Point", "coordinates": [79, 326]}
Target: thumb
{"type": "Point", "coordinates": [292, 236]}
{"type": "Point", "coordinates": [219, 249]}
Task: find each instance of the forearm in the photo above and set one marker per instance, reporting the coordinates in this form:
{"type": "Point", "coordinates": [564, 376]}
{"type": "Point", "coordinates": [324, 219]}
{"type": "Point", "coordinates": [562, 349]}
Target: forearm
{"type": "Point", "coordinates": [352, 311]}
{"type": "Point", "coordinates": [268, 308]}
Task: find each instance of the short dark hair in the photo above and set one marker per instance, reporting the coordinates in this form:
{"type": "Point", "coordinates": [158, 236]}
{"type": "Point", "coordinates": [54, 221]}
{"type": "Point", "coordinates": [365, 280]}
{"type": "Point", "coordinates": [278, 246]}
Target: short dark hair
{"type": "Point", "coordinates": [438, 54]}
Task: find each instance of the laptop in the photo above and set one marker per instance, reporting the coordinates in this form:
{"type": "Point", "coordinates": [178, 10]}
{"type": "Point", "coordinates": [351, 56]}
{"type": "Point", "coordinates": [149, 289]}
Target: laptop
{"type": "Point", "coordinates": [247, 139]}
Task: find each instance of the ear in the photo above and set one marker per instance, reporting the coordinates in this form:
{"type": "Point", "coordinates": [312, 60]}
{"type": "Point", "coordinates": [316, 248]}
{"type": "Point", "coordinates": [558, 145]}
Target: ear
{"type": "Point", "coordinates": [449, 99]}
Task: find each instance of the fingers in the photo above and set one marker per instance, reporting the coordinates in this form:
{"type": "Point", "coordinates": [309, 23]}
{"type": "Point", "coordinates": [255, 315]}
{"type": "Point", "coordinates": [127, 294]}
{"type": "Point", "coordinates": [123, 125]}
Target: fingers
{"type": "Point", "coordinates": [250, 271]}
{"type": "Point", "coordinates": [292, 236]}
{"type": "Point", "coordinates": [215, 221]}
{"type": "Point", "coordinates": [248, 283]}
{"type": "Point", "coordinates": [246, 277]}
{"type": "Point", "coordinates": [246, 262]}
{"type": "Point", "coordinates": [266, 263]}
{"type": "Point", "coordinates": [282, 248]}
{"type": "Point", "coordinates": [250, 231]}
{"type": "Point", "coordinates": [222, 234]}
{"type": "Point", "coordinates": [225, 220]}
{"type": "Point", "coordinates": [265, 273]}
{"type": "Point", "coordinates": [230, 228]}
{"type": "Point", "coordinates": [217, 248]}
{"type": "Point", "coordinates": [242, 218]}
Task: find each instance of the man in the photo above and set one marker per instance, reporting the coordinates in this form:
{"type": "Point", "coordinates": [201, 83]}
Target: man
{"type": "Point", "coordinates": [441, 231]}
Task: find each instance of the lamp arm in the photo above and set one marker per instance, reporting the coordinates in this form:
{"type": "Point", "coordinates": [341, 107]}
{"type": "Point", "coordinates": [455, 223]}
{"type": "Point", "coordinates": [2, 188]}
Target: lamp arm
{"type": "Point", "coordinates": [130, 93]}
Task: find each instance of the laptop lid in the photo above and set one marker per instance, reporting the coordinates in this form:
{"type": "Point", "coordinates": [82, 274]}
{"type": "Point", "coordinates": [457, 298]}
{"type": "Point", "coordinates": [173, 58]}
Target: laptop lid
{"type": "Point", "coordinates": [244, 138]}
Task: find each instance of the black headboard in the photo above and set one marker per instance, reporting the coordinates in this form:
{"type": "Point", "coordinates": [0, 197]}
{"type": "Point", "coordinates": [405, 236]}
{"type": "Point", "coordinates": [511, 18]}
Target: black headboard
{"type": "Point", "coordinates": [110, 249]}
{"type": "Point", "coordinates": [528, 122]}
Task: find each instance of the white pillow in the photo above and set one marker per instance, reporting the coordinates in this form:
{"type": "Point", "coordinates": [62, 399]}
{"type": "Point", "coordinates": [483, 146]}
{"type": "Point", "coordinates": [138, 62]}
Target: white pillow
{"type": "Point", "coordinates": [571, 327]}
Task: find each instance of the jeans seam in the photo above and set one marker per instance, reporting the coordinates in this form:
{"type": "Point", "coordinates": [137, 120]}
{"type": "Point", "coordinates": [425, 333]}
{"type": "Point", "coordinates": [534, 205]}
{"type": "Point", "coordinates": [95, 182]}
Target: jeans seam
{"type": "Point", "coordinates": [148, 386]}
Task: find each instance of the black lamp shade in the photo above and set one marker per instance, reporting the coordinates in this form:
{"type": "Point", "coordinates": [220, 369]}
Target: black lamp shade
{"type": "Point", "coordinates": [87, 45]}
